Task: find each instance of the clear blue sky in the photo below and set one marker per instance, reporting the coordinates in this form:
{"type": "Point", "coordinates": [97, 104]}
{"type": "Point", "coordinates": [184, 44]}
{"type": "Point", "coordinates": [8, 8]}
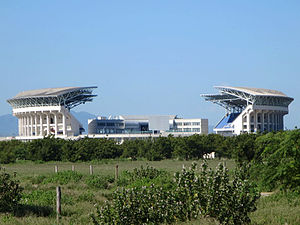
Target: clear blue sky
{"type": "Point", "coordinates": [151, 57]}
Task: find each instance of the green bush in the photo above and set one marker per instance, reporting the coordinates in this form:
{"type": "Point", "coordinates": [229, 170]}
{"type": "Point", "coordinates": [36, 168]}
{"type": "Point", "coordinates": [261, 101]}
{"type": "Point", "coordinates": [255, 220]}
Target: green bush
{"type": "Point", "coordinates": [10, 192]}
{"type": "Point", "coordinates": [206, 193]}
{"type": "Point", "coordinates": [98, 181]}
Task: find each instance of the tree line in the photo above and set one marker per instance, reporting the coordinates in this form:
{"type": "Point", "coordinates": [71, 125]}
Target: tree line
{"type": "Point", "coordinates": [274, 157]}
{"type": "Point", "coordinates": [244, 147]}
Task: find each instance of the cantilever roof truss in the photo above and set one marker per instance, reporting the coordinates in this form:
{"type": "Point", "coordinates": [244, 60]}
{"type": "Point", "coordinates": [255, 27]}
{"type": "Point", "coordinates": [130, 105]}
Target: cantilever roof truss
{"type": "Point", "coordinates": [236, 99]}
{"type": "Point", "coordinates": [67, 97]}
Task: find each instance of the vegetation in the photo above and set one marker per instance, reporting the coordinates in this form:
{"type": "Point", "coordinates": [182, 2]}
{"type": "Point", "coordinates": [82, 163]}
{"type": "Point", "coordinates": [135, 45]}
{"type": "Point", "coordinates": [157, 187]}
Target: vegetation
{"type": "Point", "coordinates": [37, 204]}
{"type": "Point", "coordinates": [10, 192]}
{"type": "Point", "coordinates": [269, 161]}
{"type": "Point", "coordinates": [208, 193]}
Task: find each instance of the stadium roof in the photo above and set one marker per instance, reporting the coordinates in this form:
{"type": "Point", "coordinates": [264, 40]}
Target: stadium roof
{"type": "Point", "coordinates": [254, 91]}
{"type": "Point", "coordinates": [237, 98]}
{"type": "Point", "coordinates": [66, 96]}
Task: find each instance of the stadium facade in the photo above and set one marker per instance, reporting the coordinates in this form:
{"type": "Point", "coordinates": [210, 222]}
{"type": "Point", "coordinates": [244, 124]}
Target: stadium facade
{"type": "Point", "coordinates": [139, 126]}
{"type": "Point", "coordinates": [46, 112]}
{"type": "Point", "coordinates": [250, 109]}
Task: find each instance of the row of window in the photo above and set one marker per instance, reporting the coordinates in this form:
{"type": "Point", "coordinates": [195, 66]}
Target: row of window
{"type": "Point", "coordinates": [188, 124]}
{"type": "Point", "coordinates": [188, 129]}
{"type": "Point", "coordinates": [102, 124]}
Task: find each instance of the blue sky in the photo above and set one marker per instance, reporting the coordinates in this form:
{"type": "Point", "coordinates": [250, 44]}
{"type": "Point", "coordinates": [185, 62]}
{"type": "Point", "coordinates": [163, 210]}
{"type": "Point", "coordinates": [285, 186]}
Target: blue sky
{"type": "Point", "coordinates": [151, 57]}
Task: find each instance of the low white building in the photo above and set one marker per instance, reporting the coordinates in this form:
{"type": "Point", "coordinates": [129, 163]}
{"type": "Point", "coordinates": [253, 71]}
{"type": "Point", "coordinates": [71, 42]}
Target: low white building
{"type": "Point", "coordinates": [46, 112]}
{"type": "Point", "coordinates": [130, 127]}
{"type": "Point", "coordinates": [250, 109]}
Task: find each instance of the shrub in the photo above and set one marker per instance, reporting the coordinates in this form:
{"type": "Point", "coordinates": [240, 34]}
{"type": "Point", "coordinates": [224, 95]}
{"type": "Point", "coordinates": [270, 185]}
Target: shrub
{"type": "Point", "coordinates": [98, 181]}
{"type": "Point", "coordinates": [10, 192]}
{"type": "Point", "coordinates": [208, 193]}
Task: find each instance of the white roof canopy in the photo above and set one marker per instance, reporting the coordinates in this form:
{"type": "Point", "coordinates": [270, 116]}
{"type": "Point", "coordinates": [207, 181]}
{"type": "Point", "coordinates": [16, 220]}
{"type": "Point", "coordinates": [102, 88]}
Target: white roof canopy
{"type": "Point", "coordinates": [66, 96]}
{"type": "Point", "coordinates": [237, 98]}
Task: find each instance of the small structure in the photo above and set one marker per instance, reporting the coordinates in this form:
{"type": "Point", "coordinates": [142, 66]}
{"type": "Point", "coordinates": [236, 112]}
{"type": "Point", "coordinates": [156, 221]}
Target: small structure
{"type": "Point", "coordinates": [130, 127]}
{"type": "Point", "coordinates": [46, 112]}
{"type": "Point", "coordinates": [250, 109]}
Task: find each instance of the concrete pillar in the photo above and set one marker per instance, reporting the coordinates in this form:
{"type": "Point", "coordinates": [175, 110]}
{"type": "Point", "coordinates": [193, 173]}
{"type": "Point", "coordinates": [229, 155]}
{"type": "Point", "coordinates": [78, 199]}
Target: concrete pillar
{"type": "Point", "coordinates": [26, 125]}
{"type": "Point", "coordinates": [48, 123]}
{"type": "Point", "coordinates": [20, 124]}
{"type": "Point", "coordinates": [23, 125]}
{"type": "Point", "coordinates": [35, 125]}
{"type": "Point", "coordinates": [41, 124]}
{"type": "Point", "coordinates": [255, 120]}
{"type": "Point", "coordinates": [31, 124]}
{"type": "Point", "coordinates": [56, 123]}
{"type": "Point", "coordinates": [248, 122]}
{"type": "Point", "coordinates": [64, 123]}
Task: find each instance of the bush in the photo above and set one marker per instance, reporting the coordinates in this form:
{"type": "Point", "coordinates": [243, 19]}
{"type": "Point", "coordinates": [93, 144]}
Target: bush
{"type": "Point", "coordinates": [10, 192]}
{"type": "Point", "coordinates": [98, 181]}
{"type": "Point", "coordinates": [206, 194]}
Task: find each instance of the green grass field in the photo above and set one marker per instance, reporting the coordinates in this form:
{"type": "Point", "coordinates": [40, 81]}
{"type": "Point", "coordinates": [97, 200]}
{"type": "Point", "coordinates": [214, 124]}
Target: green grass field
{"type": "Point", "coordinates": [79, 199]}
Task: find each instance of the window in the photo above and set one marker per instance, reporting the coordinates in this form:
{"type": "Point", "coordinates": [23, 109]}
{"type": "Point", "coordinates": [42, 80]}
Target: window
{"type": "Point", "coordinates": [101, 124]}
{"type": "Point", "coordinates": [196, 123]}
{"type": "Point", "coordinates": [186, 129]}
{"type": "Point", "coordinates": [179, 124]}
{"type": "Point", "coordinates": [196, 129]}
{"type": "Point", "coordinates": [110, 124]}
{"type": "Point", "coordinates": [187, 124]}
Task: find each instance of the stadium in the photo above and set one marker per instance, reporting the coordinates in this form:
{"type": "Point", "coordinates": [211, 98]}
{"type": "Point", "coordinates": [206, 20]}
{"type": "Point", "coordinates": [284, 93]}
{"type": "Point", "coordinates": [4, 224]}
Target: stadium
{"type": "Point", "coordinates": [46, 112]}
{"type": "Point", "coordinates": [250, 109]}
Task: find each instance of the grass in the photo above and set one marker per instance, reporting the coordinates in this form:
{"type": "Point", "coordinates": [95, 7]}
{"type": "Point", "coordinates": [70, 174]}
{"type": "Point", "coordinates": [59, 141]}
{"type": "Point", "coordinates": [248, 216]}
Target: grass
{"type": "Point", "coordinates": [78, 197]}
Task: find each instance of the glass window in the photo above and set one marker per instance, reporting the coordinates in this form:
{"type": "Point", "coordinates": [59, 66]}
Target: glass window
{"type": "Point", "coordinates": [186, 129]}
{"type": "Point", "coordinates": [196, 123]}
{"type": "Point", "coordinates": [187, 124]}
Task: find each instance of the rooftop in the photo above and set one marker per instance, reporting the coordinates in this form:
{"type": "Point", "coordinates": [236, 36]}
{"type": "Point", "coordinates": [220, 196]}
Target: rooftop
{"type": "Point", "coordinates": [254, 91]}
{"type": "Point", "coordinates": [237, 98]}
{"type": "Point", "coordinates": [65, 96]}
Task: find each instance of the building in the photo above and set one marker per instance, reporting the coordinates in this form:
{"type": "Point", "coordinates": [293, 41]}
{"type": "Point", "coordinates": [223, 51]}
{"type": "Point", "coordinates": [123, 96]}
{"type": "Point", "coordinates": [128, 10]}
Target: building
{"type": "Point", "coordinates": [46, 112]}
{"type": "Point", "coordinates": [250, 109]}
{"type": "Point", "coordinates": [129, 127]}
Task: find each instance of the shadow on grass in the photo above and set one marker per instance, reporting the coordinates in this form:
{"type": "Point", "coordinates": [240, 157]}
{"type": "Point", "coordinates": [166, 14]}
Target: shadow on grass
{"type": "Point", "coordinates": [25, 210]}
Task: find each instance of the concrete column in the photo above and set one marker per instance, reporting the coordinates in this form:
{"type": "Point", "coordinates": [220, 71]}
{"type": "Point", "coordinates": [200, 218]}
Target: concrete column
{"type": "Point", "coordinates": [255, 120]}
{"type": "Point", "coordinates": [56, 123]}
{"type": "Point", "coordinates": [20, 125]}
{"type": "Point", "coordinates": [64, 123]}
{"type": "Point", "coordinates": [41, 124]}
{"type": "Point", "coordinates": [248, 122]}
{"type": "Point", "coordinates": [48, 124]}
{"type": "Point", "coordinates": [26, 125]}
{"type": "Point", "coordinates": [35, 125]}
{"type": "Point", "coordinates": [31, 124]}
{"type": "Point", "coordinates": [23, 125]}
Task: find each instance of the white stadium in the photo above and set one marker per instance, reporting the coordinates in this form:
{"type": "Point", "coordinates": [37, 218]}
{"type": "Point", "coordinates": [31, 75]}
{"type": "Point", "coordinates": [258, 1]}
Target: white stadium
{"type": "Point", "coordinates": [46, 112]}
{"type": "Point", "coordinates": [250, 109]}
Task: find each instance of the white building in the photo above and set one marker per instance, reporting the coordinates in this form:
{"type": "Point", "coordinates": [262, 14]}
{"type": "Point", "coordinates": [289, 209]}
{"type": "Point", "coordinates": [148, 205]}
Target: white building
{"type": "Point", "coordinates": [46, 112]}
{"type": "Point", "coordinates": [130, 127]}
{"type": "Point", "coordinates": [250, 109]}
